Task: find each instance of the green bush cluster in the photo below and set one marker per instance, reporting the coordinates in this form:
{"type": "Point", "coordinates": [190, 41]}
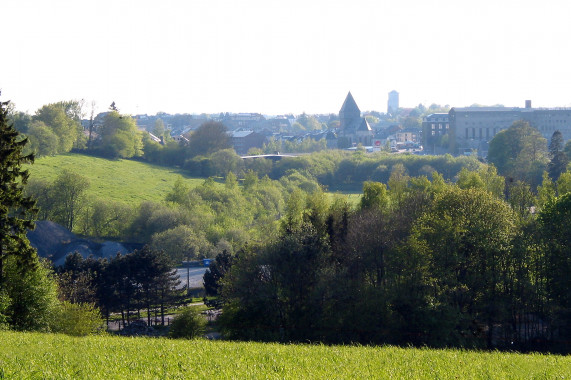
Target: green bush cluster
{"type": "Point", "coordinates": [78, 319]}
{"type": "Point", "coordinates": [29, 302]}
{"type": "Point", "coordinates": [188, 324]}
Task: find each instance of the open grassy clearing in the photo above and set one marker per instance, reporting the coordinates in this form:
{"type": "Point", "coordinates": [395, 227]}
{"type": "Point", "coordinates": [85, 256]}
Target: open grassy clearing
{"type": "Point", "coordinates": [352, 192]}
{"type": "Point", "coordinates": [125, 181]}
{"type": "Point", "coordinates": [354, 199]}
{"type": "Point", "coordinates": [50, 356]}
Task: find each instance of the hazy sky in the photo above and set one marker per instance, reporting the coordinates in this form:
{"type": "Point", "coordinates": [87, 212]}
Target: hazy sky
{"type": "Point", "coordinates": [276, 57]}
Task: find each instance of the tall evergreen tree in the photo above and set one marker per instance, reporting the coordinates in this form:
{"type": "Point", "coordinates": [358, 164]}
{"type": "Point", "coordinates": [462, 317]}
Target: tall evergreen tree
{"type": "Point", "coordinates": [217, 270]}
{"type": "Point", "coordinates": [558, 158]}
{"type": "Point", "coordinates": [16, 210]}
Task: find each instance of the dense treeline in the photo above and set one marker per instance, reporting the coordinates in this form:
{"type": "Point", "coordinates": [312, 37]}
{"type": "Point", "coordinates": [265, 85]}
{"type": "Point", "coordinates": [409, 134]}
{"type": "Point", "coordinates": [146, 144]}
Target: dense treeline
{"type": "Point", "coordinates": [338, 168]}
{"type": "Point", "coordinates": [330, 168]}
{"type": "Point", "coordinates": [420, 263]}
{"type": "Point", "coordinates": [128, 284]}
{"type": "Point", "coordinates": [190, 223]}
{"type": "Point", "coordinates": [202, 221]}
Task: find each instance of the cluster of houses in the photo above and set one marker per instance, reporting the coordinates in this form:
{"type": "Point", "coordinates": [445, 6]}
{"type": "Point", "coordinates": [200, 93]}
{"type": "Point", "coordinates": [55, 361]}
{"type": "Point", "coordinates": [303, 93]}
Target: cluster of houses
{"type": "Point", "coordinates": [347, 130]}
{"type": "Point", "coordinates": [458, 131]}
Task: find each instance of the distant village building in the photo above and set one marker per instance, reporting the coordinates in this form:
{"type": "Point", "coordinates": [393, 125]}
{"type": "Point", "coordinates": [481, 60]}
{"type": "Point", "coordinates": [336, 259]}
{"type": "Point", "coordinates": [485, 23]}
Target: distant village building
{"type": "Point", "coordinates": [155, 138]}
{"type": "Point", "coordinates": [251, 121]}
{"type": "Point", "coordinates": [242, 141]}
{"type": "Point", "coordinates": [393, 102]}
{"type": "Point", "coordinates": [353, 129]}
{"type": "Point", "coordinates": [407, 136]}
{"type": "Point", "coordinates": [331, 140]}
{"type": "Point", "coordinates": [434, 127]}
{"type": "Point", "coordinates": [180, 139]}
{"type": "Point", "coordinates": [278, 124]}
{"type": "Point", "coordinates": [474, 127]}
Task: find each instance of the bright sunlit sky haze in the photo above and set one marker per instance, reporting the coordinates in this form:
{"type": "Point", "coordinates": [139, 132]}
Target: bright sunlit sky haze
{"type": "Point", "coordinates": [278, 57]}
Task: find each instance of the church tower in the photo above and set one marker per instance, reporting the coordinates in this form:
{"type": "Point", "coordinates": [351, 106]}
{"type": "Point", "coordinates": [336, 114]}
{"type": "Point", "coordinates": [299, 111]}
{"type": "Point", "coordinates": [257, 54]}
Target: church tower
{"type": "Point", "coordinates": [353, 129]}
{"type": "Point", "coordinates": [349, 113]}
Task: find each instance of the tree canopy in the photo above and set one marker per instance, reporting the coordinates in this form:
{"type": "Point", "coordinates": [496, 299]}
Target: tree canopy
{"type": "Point", "coordinates": [64, 125]}
{"type": "Point", "coordinates": [558, 158]}
{"type": "Point", "coordinates": [519, 153]}
{"type": "Point", "coordinates": [209, 138]}
{"type": "Point", "coordinates": [27, 292]}
{"type": "Point", "coordinates": [16, 210]}
{"type": "Point", "coordinates": [119, 136]}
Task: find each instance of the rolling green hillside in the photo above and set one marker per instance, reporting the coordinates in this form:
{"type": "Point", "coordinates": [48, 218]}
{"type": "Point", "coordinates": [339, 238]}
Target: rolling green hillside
{"type": "Point", "coordinates": [128, 181]}
{"type": "Point", "coordinates": [52, 356]}
{"type": "Point", "coordinates": [119, 180]}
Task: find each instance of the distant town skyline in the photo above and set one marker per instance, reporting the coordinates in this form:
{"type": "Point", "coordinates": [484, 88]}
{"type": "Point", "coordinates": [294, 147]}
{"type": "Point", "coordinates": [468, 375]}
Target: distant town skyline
{"type": "Point", "coordinates": [277, 58]}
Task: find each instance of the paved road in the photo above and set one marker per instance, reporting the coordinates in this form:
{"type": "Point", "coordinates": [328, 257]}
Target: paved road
{"type": "Point", "coordinates": [195, 276]}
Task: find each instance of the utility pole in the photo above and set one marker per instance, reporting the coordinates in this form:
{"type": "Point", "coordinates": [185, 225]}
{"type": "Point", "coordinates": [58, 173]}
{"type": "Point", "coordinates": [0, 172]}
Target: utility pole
{"type": "Point", "coordinates": [187, 273]}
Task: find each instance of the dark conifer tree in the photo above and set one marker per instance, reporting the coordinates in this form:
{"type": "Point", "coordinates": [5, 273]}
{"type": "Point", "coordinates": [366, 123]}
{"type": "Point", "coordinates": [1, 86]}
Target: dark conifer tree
{"type": "Point", "coordinates": [154, 277]}
{"type": "Point", "coordinates": [558, 158]}
{"type": "Point", "coordinates": [217, 271]}
{"type": "Point", "coordinates": [16, 210]}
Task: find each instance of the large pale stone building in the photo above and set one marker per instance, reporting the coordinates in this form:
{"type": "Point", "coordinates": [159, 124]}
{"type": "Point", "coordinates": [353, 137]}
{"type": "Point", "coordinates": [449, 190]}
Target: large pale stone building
{"type": "Point", "coordinates": [474, 127]}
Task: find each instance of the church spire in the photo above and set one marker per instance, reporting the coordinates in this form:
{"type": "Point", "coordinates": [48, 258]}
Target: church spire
{"type": "Point", "coordinates": [350, 106]}
{"type": "Point", "coordinates": [349, 112]}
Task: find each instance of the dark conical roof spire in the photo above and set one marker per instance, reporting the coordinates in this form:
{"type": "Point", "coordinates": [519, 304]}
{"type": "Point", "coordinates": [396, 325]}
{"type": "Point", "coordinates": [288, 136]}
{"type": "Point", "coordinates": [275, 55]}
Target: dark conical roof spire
{"type": "Point", "coordinates": [349, 106]}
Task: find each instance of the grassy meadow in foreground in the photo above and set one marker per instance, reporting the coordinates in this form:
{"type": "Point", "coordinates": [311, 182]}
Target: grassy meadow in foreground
{"type": "Point", "coordinates": [51, 356]}
{"type": "Point", "coordinates": [125, 181]}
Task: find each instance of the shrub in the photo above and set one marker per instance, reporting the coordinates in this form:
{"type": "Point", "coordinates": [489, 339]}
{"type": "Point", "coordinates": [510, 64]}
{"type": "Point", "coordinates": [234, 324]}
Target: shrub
{"type": "Point", "coordinates": [29, 300]}
{"type": "Point", "coordinates": [188, 324]}
{"type": "Point", "coordinates": [78, 319]}
{"type": "Point", "coordinates": [4, 307]}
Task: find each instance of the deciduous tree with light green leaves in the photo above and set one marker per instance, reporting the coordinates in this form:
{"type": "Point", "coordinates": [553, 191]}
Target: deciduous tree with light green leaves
{"type": "Point", "coordinates": [519, 153]}
{"type": "Point", "coordinates": [209, 138]}
{"type": "Point", "coordinates": [65, 127]}
{"type": "Point", "coordinates": [564, 183]}
{"type": "Point", "coordinates": [43, 141]}
{"type": "Point", "coordinates": [62, 200]}
{"type": "Point", "coordinates": [374, 196]}
{"type": "Point", "coordinates": [120, 137]}
{"type": "Point", "coordinates": [181, 243]}
{"type": "Point", "coordinates": [466, 238]}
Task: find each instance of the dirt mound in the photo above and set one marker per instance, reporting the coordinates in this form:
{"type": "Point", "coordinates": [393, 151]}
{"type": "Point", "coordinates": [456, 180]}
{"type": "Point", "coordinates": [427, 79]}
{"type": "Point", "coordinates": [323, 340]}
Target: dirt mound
{"type": "Point", "coordinates": [55, 242]}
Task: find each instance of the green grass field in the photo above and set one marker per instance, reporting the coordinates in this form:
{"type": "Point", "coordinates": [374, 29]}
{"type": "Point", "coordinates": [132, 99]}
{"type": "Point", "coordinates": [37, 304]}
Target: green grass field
{"type": "Point", "coordinates": [128, 181]}
{"type": "Point", "coordinates": [353, 198]}
{"type": "Point", "coordinates": [50, 356]}
{"type": "Point", "coordinates": [124, 181]}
